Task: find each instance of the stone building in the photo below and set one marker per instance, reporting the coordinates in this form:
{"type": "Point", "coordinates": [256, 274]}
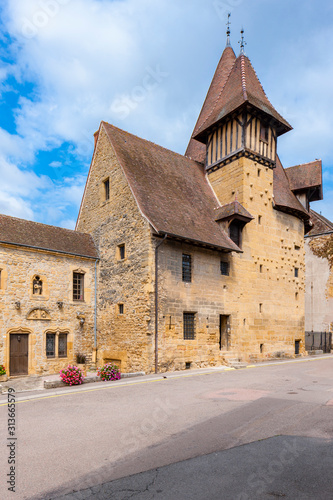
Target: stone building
{"type": "Point", "coordinates": [319, 283]}
{"type": "Point", "coordinates": [47, 283]}
{"type": "Point", "coordinates": [202, 255]}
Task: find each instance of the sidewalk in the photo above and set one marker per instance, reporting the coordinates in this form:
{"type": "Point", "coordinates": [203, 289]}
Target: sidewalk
{"type": "Point", "coordinates": [34, 383]}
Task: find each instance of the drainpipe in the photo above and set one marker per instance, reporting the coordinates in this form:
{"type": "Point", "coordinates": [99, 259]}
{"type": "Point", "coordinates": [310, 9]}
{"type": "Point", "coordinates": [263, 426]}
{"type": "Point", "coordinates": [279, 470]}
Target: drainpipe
{"type": "Point", "coordinates": [156, 301]}
{"type": "Point", "coordinates": [95, 316]}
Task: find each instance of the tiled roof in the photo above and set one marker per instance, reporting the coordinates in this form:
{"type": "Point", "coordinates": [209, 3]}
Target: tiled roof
{"type": "Point", "coordinates": [320, 225]}
{"type": "Point", "coordinates": [242, 86]}
{"type": "Point", "coordinates": [196, 151]}
{"type": "Point", "coordinates": [40, 236]}
{"type": "Point", "coordinates": [305, 176]}
{"type": "Point", "coordinates": [232, 209]}
{"type": "Point", "coordinates": [171, 190]}
{"type": "Point", "coordinates": [284, 199]}
{"type": "Point", "coordinates": [223, 69]}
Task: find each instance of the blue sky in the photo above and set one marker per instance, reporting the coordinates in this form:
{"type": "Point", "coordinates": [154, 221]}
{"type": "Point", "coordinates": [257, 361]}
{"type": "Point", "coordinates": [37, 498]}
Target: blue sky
{"type": "Point", "coordinates": [145, 66]}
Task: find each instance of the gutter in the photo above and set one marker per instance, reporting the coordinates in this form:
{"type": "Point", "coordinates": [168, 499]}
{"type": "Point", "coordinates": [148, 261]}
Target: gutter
{"type": "Point", "coordinates": [50, 250]}
{"type": "Point", "coordinates": [318, 234]}
{"type": "Point", "coordinates": [156, 301]}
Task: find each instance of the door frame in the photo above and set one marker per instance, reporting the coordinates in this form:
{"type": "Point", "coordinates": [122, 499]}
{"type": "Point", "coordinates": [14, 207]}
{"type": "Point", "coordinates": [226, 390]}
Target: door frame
{"type": "Point", "coordinates": [19, 331]}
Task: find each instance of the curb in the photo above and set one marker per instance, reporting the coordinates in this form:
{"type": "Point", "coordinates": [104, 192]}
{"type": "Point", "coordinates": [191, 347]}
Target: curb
{"type": "Point", "coordinates": [55, 384]}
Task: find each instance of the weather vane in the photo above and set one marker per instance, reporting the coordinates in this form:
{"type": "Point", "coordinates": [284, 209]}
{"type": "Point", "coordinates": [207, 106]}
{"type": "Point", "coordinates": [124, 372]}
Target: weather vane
{"type": "Point", "coordinates": [242, 42]}
{"type": "Point", "coordinates": [228, 30]}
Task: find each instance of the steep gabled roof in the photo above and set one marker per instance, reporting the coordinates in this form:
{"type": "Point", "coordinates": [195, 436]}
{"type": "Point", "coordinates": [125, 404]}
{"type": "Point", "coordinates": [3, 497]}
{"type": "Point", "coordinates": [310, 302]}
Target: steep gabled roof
{"type": "Point", "coordinates": [284, 199]}
{"type": "Point", "coordinates": [320, 225]}
{"type": "Point", "coordinates": [171, 190]}
{"type": "Point", "coordinates": [30, 234]}
{"type": "Point", "coordinates": [196, 150]}
{"type": "Point", "coordinates": [242, 86]}
{"type": "Point", "coordinates": [306, 176]}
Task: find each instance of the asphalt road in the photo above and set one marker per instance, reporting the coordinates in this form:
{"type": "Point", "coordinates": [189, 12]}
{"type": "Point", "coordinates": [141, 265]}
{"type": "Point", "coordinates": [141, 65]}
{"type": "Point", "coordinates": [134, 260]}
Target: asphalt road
{"type": "Point", "coordinates": [258, 433]}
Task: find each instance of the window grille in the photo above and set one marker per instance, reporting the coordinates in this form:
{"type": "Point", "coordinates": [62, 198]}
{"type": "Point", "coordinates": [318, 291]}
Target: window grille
{"type": "Point", "coordinates": [50, 345]}
{"type": "Point", "coordinates": [189, 326]}
{"type": "Point", "coordinates": [296, 272]}
{"type": "Point", "coordinates": [78, 286]}
{"type": "Point", "coordinates": [121, 308]}
{"type": "Point", "coordinates": [187, 268]}
{"type": "Point", "coordinates": [225, 268]}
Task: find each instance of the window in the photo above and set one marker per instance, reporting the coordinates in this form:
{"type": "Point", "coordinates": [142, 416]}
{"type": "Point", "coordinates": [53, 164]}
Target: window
{"type": "Point", "coordinates": [259, 219]}
{"type": "Point", "coordinates": [296, 295]}
{"type": "Point", "coordinates": [37, 286]}
{"type": "Point", "coordinates": [297, 247]}
{"type": "Point", "coordinates": [187, 268]}
{"type": "Point", "coordinates": [62, 345]}
{"type": "Point", "coordinates": [121, 308]}
{"type": "Point", "coordinates": [106, 189]}
{"type": "Point", "coordinates": [261, 268]}
{"type": "Point", "coordinates": [263, 133]}
{"type": "Point", "coordinates": [235, 232]}
{"type": "Point", "coordinates": [121, 252]}
{"type": "Point", "coordinates": [50, 345]}
{"type": "Point", "coordinates": [189, 326]}
{"type": "Point", "coordinates": [78, 286]}
{"type": "Point", "coordinates": [296, 272]}
{"type": "Point", "coordinates": [225, 268]}
{"type": "Point", "coordinates": [260, 308]}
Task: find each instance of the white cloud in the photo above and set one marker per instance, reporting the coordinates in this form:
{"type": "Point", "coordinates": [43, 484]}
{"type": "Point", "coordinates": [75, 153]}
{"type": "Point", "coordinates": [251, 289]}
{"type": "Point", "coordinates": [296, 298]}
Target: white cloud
{"type": "Point", "coordinates": [83, 56]}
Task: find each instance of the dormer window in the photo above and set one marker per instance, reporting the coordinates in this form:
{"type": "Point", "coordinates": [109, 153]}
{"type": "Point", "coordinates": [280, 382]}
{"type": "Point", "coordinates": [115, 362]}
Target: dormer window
{"type": "Point", "coordinates": [234, 217]}
{"type": "Point", "coordinates": [235, 232]}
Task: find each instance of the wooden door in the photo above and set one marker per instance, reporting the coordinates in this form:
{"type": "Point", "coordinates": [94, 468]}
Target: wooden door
{"type": "Point", "coordinates": [18, 364]}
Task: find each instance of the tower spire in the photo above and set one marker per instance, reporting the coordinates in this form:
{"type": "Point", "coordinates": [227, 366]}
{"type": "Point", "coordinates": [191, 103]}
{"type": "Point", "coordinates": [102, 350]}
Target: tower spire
{"type": "Point", "coordinates": [228, 30]}
{"type": "Point", "coordinates": [242, 42]}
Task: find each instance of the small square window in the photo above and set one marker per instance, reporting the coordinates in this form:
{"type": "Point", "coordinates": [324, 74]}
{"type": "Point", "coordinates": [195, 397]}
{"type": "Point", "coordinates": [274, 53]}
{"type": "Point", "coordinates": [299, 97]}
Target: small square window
{"type": "Point", "coordinates": [78, 286]}
{"type": "Point", "coordinates": [225, 268]}
{"type": "Point", "coordinates": [189, 326]}
{"type": "Point", "coordinates": [296, 272]}
{"type": "Point", "coordinates": [50, 345]}
{"type": "Point", "coordinates": [187, 268]}
{"type": "Point", "coordinates": [121, 252]}
{"type": "Point", "coordinates": [106, 189]}
{"type": "Point", "coordinates": [121, 308]}
{"type": "Point", "coordinates": [297, 247]}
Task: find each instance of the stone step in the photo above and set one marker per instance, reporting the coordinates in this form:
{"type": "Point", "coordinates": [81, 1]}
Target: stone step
{"type": "Point", "coordinates": [237, 364]}
{"type": "Point", "coordinates": [315, 353]}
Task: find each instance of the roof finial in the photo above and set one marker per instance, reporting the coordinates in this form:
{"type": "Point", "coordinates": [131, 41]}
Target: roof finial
{"type": "Point", "coordinates": [228, 30]}
{"type": "Point", "coordinates": [242, 42]}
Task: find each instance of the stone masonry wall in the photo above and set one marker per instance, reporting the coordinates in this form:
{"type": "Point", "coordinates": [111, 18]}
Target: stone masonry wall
{"type": "Point", "coordinates": [18, 267]}
{"type": "Point", "coordinates": [319, 283]}
{"type": "Point", "coordinates": [125, 337]}
{"type": "Point", "coordinates": [263, 297]}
